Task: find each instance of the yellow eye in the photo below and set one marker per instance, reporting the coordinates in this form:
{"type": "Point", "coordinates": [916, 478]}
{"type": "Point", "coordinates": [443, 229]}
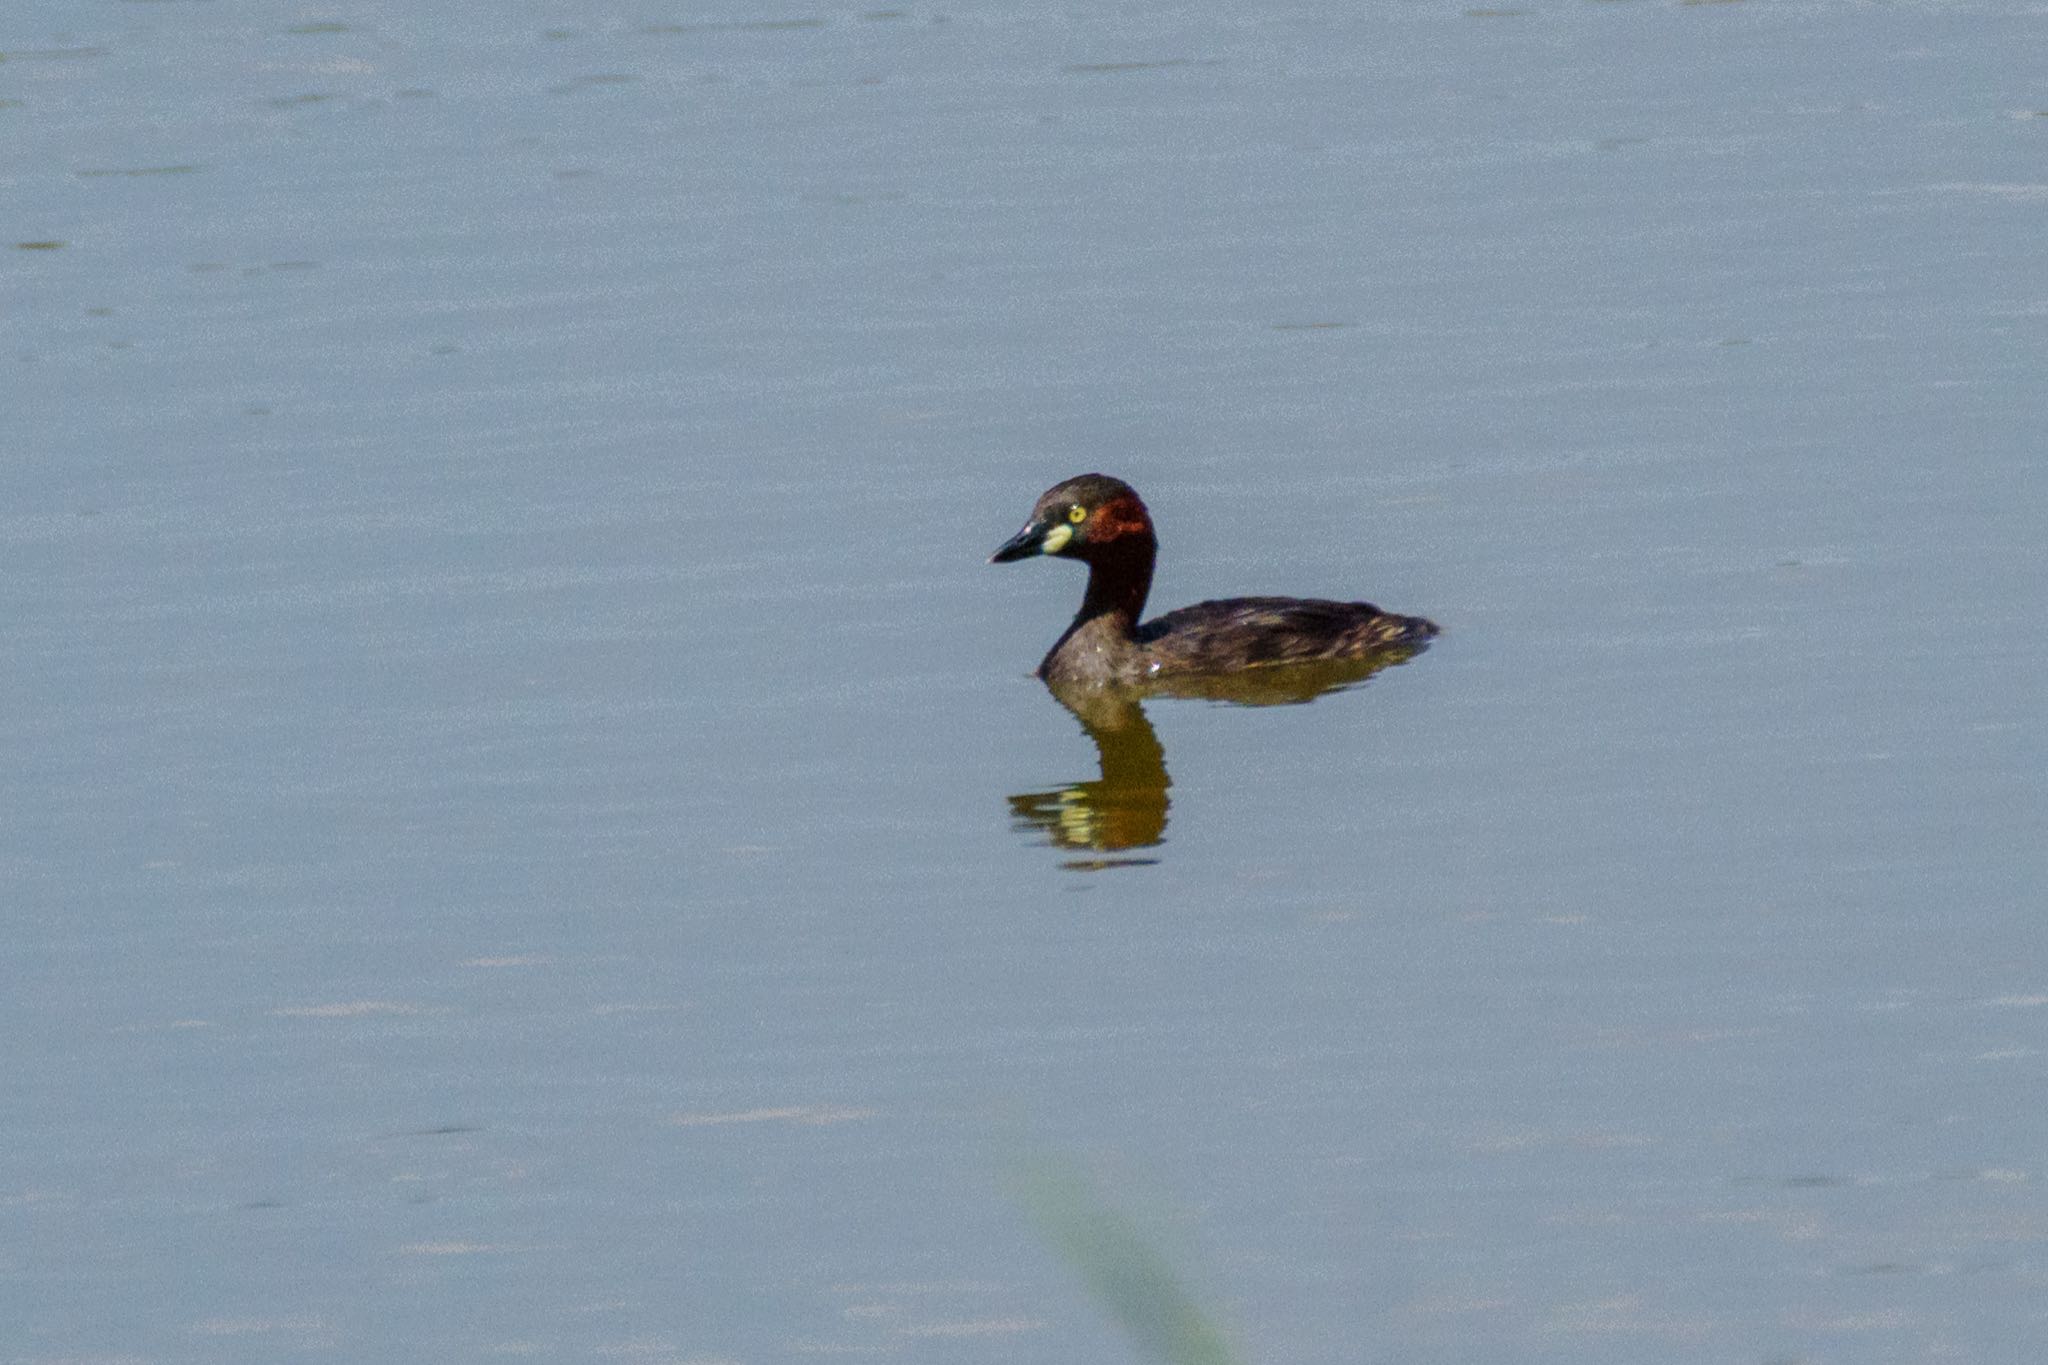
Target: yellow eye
{"type": "Point", "coordinates": [1077, 514]}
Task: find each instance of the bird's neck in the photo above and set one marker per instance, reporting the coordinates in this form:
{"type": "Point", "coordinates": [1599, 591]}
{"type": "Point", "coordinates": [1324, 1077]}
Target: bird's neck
{"type": "Point", "coordinates": [1119, 578]}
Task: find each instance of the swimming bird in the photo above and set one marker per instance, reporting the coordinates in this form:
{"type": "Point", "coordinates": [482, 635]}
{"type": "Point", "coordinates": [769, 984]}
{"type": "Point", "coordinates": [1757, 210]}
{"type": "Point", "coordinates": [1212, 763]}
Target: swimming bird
{"type": "Point", "coordinates": [1102, 522]}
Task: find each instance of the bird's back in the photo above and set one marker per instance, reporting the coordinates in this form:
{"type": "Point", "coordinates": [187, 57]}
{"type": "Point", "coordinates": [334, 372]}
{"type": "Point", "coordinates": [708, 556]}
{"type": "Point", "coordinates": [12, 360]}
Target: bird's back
{"type": "Point", "coordinates": [1247, 632]}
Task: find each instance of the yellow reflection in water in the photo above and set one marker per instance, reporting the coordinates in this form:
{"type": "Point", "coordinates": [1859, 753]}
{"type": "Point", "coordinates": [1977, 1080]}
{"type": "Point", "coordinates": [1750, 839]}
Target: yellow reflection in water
{"type": "Point", "coordinates": [1125, 808]}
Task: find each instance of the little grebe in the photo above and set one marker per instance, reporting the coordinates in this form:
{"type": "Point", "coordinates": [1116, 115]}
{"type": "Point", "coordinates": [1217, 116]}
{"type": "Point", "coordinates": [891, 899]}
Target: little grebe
{"type": "Point", "coordinates": [1100, 521]}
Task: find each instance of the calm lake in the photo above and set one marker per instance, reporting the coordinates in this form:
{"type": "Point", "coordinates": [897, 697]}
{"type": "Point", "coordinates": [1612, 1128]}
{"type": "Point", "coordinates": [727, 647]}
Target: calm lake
{"type": "Point", "coordinates": [530, 831]}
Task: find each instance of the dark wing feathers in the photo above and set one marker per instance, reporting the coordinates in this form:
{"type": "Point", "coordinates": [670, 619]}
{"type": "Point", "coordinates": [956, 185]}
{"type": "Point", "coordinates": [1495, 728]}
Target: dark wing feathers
{"type": "Point", "coordinates": [1245, 632]}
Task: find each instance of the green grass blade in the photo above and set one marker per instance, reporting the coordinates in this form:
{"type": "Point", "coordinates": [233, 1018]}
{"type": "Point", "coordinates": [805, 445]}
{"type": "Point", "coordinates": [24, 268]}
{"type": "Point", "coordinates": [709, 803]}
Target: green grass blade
{"type": "Point", "coordinates": [1120, 1266]}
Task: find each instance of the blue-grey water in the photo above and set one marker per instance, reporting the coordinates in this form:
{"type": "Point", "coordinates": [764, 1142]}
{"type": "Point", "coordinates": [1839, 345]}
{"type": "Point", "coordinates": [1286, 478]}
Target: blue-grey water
{"type": "Point", "coordinates": [509, 738]}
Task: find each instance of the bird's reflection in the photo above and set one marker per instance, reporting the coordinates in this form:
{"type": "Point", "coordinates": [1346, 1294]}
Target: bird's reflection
{"type": "Point", "coordinates": [1125, 808]}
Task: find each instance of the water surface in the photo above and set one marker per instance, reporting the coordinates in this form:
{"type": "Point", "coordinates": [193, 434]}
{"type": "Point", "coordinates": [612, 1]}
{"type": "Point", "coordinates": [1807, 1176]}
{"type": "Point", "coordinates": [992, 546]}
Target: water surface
{"type": "Point", "coordinates": [514, 754]}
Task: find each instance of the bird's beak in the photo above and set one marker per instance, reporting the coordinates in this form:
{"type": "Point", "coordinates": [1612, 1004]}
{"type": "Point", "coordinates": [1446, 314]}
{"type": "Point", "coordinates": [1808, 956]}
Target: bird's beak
{"type": "Point", "coordinates": [1023, 545]}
